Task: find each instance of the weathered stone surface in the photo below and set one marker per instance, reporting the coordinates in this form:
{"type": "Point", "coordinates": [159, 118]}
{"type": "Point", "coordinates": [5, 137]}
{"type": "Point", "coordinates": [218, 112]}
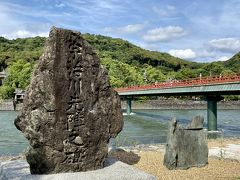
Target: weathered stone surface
{"type": "Point", "coordinates": [196, 123]}
{"type": "Point", "coordinates": [186, 148]}
{"type": "Point", "coordinates": [70, 111]}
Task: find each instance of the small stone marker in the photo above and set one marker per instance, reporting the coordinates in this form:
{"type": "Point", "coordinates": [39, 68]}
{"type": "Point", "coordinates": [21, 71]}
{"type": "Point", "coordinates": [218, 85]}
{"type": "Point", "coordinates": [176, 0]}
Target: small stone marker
{"type": "Point", "coordinates": [186, 147]}
{"type": "Point", "coordinates": [70, 111]}
{"type": "Point", "coordinates": [196, 123]}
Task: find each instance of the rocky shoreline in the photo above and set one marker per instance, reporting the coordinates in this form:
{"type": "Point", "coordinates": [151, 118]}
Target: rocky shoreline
{"type": "Point", "coordinates": [174, 103]}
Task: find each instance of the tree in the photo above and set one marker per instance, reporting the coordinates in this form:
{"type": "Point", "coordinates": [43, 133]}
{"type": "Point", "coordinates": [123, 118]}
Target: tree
{"type": "Point", "coordinates": [6, 91]}
{"type": "Point", "coordinates": [213, 69]}
{"type": "Point", "coordinates": [154, 74]}
{"type": "Point", "coordinates": [185, 73]}
{"type": "Point", "coordinates": [19, 76]}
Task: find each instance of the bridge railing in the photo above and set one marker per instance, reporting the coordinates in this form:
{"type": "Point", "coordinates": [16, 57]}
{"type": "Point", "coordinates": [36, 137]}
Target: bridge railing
{"type": "Point", "coordinates": [183, 83]}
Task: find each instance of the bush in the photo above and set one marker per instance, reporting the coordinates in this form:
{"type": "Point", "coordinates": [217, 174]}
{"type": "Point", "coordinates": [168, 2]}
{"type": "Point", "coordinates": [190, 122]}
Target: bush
{"type": "Point", "coordinates": [6, 92]}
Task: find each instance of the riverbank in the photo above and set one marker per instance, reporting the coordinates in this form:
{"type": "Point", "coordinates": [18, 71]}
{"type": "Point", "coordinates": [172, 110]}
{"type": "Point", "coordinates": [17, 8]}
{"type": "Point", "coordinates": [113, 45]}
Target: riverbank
{"type": "Point", "coordinates": [223, 162]}
{"type": "Point", "coordinates": [7, 105]}
{"type": "Point", "coordinates": [173, 103]}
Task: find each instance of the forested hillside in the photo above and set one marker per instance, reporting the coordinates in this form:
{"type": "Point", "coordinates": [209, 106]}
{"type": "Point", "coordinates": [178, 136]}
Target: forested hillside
{"type": "Point", "coordinates": [18, 57]}
{"type": "Point", "coordinates": [127, 64]}
{"type": "Point", "coordinates": [234, 63]}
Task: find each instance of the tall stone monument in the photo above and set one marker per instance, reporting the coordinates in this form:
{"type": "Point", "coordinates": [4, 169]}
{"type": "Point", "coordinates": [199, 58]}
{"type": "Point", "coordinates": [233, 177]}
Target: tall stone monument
{"type": "Point", "coordinates": [70, 111]}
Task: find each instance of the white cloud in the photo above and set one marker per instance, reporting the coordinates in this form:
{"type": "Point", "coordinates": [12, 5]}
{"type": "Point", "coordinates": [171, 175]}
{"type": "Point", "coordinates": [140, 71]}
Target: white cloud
{"type": "Point", "coordinates": [183, 53]}
{"type": "Point", "coordinates": [97, 9]}
{"type": "Point", "coordinates": [163, 12]}
{"type": "Point", "coordinates": [60, 5]}
{"type": "Point", "coordinates": [129, 29]}
{"type": "Point", "coordinates": [149, 46]}
{"type": "Point", "coordinates": [164, 34]}
{"type": "Point", "coordinates": [206, 53]}
{"type": "Point", "coordinates": [160, 12]}
{"type": "Point", "coordinates": [24, 34]}
{"type": "Point", "coordinates": [223, 58]}
{"type": "Point", "coordinates": [171, 8]}
{"type": "Point", "coordinates": [225, 44]}
{"type": "Point", "coordinates": [18, 28]}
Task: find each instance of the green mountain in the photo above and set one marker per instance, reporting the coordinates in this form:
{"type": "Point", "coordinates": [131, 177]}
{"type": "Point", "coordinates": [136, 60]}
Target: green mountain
{"type": "Point", "coordinates": [233, 63]}
{"type": "Point", "coordinates": [127, 63]}
{"type": "Point", "coordinates": [28, 49]}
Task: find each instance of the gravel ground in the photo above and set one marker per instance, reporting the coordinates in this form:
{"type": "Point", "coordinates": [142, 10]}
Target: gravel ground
{"type": "Point", "coordinates": [222, 142]}
{"type": "Point", "coordinates": [217, 168]}
{"type": "Point", "coordinates": [152, 162]}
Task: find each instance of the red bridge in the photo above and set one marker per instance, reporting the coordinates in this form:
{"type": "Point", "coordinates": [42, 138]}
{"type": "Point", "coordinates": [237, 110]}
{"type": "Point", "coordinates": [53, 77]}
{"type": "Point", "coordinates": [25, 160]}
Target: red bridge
{"type": "Point", "coordinates": [210, 87]}
{"type": "Point", "coordinates": [185, 83]}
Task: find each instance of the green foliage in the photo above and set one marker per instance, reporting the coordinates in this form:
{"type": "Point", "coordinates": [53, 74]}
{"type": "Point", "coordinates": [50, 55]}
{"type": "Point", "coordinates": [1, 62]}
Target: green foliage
{"type": "Point", "coordinates": [19, 57]}
{"type": "Point", "coordinates": [6, 91]}
{"type": "Point", "coordinates": [120, 50]}
{"type": "Point", "coordinates": [122, 74]}
{"type": "Point", "coordinates": [227, 72]}
{"type": "Point", "coordinates": [127, 64]}
{"type": "Point", "coordinates": [185, 73]}
{"type": "Point", "coordinates": [28, 49]}
{"type": "Point", "coordinates": [233, 63]}
{"type": "Point", "coordinates": [19, 75]}
{"type": "Point", "coordinates": [213, 69]}
{"type": "Point", "coordinates": [131, 65]}
{"type": "Point", "coordinates": [232, 98]}
{"type": "Point", "coordinates": [153, 75]}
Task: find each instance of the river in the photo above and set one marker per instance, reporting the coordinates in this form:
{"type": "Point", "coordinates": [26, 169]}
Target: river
{"type": "Point", "coordinates": [144, 126]}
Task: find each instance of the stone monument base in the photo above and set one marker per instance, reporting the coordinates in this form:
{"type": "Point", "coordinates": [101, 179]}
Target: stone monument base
{"type": "Point", "coordinates": [113, 170]}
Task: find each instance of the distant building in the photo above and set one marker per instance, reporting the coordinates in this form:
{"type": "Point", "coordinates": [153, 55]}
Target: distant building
{"type": "Point", "coordinates": [19, 95]}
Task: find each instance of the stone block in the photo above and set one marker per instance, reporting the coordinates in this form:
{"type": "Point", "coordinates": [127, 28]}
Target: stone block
{"type": "Point", "coordinates": [186, 147]}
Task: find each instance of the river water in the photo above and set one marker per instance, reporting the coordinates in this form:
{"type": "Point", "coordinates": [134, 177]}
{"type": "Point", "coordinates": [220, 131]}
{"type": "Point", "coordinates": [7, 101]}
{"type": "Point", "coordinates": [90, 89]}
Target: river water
{"type": "Point", "coordinates": [144, 126]}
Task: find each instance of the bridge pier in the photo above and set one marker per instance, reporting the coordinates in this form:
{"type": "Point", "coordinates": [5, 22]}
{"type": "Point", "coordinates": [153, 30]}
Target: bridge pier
{"type": "Point", "coordinates": [212, 111]}
{"type": "Point", "coordinates": [129, 106]}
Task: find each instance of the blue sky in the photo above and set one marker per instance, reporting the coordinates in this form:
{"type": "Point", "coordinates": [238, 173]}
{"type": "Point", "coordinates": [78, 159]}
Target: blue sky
{"type": "Point", "coordinates": [198, 30]}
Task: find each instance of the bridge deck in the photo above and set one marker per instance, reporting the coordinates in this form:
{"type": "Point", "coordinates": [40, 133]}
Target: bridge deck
{"type": "Point", "coordinates": [199, 86]}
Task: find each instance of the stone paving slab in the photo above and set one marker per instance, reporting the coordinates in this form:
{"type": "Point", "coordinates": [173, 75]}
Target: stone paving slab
{"type": "Point", "coordinates": [115, 170]}
{"type": "Point", "coordinates": [231, 151]}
